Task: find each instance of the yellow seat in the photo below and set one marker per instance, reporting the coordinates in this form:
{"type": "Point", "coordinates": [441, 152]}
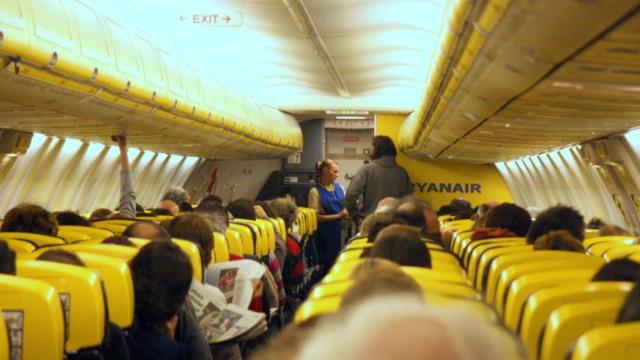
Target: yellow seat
{"type": "Point", "coordinates": [314, 308]}
{"type": "Point", "coordinates": [117, 227]}
{"type": "Point", "coordinates": [80, 293]}
{"type": "Point", "coordinates": [541, 304]}
{"type": "Point", "coordinates": [481, 275]}
{"type": "Point", "coordinates": [358, 241]}
{"type": "Point", "coordinates": [33, 307]}
{"type": "Point", "coordinates": [193, 252]}
{"type": "Point", "coordinates": [590, 233]}
{"type": "Point", "coordinates": [568, 322]}
{"type": "Point", "coordinates": [117, 251]}
{"type": "Point", "coordinates": [629, 240]}
{"type": "Point", "coordinates": [283, 227]}
{"type": "Point", "coordinates": [71, 236]}
{"type": "Point", "coordinates": [220, 248]}
{"type": "Point", "coordinates": [475, 257]}
{"type": "Point", "coordinates": [258, 231]}
{"type": "Point", "coordinates": [139, 242]}
{"type": "Point", "coordinates": [247, 238]}
{"type": "Point", "coordinates": [4, 340]}
{"type": "Point", "coordinates": [503, 262]}
{"type": "Point", "coordinates": [118, 285]}
{"type": "Point", "coordinates": [94, 234]}
{"type": "Point", "coordinates": [458, 239]}
{"type": "Point", "coordinates": [621, 252]}
{"type": "Point", "coordinates": [601, 248]}
{"type": "Point", "coordinates": [477, 247]}
{"type": "Point", "coordinates": [620, 342]}
{"type": "Point", "coordinates": [234, 241]}
{"type": "Point", "coordinates": [270, 233]}
{"type": "Point", "coordinates": [36, 240]}
{"type": "Point", "coordinates": [19, 246]}
{"type": "Point", "coordinates": [341, 272]}
{"type": "Point", "coordinates": [512, 273]}
{"type": "Point", "coordinates": [525, 286]}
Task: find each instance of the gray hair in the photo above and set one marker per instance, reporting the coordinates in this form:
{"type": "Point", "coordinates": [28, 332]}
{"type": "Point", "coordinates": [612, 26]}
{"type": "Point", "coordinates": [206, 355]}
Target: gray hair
{"type": "Point", "coordinates": [409, 329]}
{"type": "Point", "coordinates": [176, 194]}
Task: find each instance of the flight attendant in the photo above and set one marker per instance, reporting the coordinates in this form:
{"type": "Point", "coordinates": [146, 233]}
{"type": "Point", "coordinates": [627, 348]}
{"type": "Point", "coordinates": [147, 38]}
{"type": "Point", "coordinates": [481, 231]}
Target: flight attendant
{"type": "Point", "coordinates": [327, 198]}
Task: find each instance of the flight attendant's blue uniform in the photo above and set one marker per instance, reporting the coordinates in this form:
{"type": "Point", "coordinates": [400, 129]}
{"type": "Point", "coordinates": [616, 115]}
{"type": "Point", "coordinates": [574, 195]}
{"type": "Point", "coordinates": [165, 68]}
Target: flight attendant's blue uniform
{"type": "Point", "coordinates": [330, 232]}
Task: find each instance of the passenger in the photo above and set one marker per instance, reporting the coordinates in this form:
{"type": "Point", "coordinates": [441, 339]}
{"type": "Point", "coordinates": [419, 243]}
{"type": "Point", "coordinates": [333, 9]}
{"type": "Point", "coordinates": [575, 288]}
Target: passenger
{"type": "Point", "coordinates": [630, 310]}
{"type": "Point", "coordinates": [185, 207]}
{"type": "Point", "coordinates": [7, 259]}
{"type": "Point", "coordinates": [194, 228]}
{"type": "Point", "coordinates": [463, 208]}
{"type": "Point", "coordinates": [375, 222]}
{"type": "Point", "coordinates": [402, 245]}
{"type": "Point", "coordinates": [504, 220]}
{"type": "Point", "coordinates": [418, 213]}
{"type": "Point", "coordinates": [612, 230]}
{"type": "Point", "coordinates": [481, 214]}
{"type": "Point", "coordinates": [293, 270]}
{"type": "Point", "coordinates": [327, 199]}
{"type": "Point", "coordinates": [176, 194]}
{"type": "Point", "coordinates": [379, 283]}
{"type": "Point", "coordinates": [71, 218]}
{"type": "Point", "coordinates": [127, 207]}
{"type": "Point", "coordinates": [595, 223]}
{"type": "Point", "coordinates": [558, 240]}
{"type": "Point", "coordinates": [281, 245]}
{"type": "Point", "coordinates": [100, 214]}
{"type": "Point", "coordinates": [557, 218]}
{"type": "Point", "coordinates": [432, 230]}
{"type": "Point", "coordinates": [447, 210]}
{"type": "Point", "coordinates": [212, 198]}
{"type": "Point", "coordinates": [162, 276]}
{"type": "Point", "coordinates": [61, 256]}
{"type": "Point", "coordinates": [377, 180]}
{"type": "Point", "coordinates": [618, 270]}
{"type": "Point", "coordinates": [397, 327]}
{"type": "Point", "coordinates": [119, 240]}
{"type": "Point", "coordinates": [147, 230]}
{"type": "Point", "coordinates": [216, 214]}
{"type": "Point", "coordinates": [169, 205]}
{"type": "Point", "coordinates": [242, 209]}
{"type": "Point", "coordinates": [30, 218]}
{"type": "Point", "coordinates": [286, 344]}
{"type": "Point", "coordinates": [368, 265]}
{"type": "Point", "coordinates": [388, 203]}
{"type": "Point", "coordinates": [114, 346]}
{"type": "Point", "coordinates": [163, 211]}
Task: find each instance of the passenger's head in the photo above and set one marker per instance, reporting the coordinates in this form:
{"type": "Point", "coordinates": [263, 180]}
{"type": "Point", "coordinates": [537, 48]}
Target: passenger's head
{"type": "Point", "coordinates": [447, 210]}
{"type": "Point", "coordinates": [286, 209]}
{"type": "Point", "coordinates": [71, 218]}
{"type": "Point", "coordinates": [509, 216]}
{"type": "Point", "coordinates": [461, 204]}
{"type": "Point", "coordinates": [30, 218]}
{"type": "Point", "coordinates": [61, 256]}
{"type": "Point", "coordinates": [327, 171]}
{"type": "Point", "coordinates": [212, 198]}
{"type": "Point", "coordinates": [558, 240]}
{"type": "Point", "coordinates": [216, 214]}
{"type": "Point", "coordinates": [557, 218]}
{"type": "Point", "coordinates": [170, 205]}
{"type": "Point", "coordinates": [630, 310]}
{"type": "Point", "coordinates": [375, 222]}
{"type": "Point", "coordinates": [382, 146]}
{"type": "Point", "coordinates": [612, 230]}
{"type": "Point", "coordinates": [398, 327]}
{"type": "Point", "coordinates": [402, 245]}
{"type": "Point", "coordinates": [176, 194]}
{"type": "Point", "coordinates": [162, 275]}
{"type": "Point", "coordinates": [100, 214]}
{"type": "Point", "coordinates": [618, 270]}
{"type": "Point", "coordinates": [185, 207]}
{"type": "Point", "coordinates": [412, 210]}
{"type": "Point", "coordinates": [147, 230]}
{"type": "Point", "coordinates": [595, 223]}
{"type": "Point", "coordinates": [163, 211]}
{"type": "Point", "coordinates": [266, 208]}
{"type": "Point", "coordinates": [380, 283]}
{"type": "Point", "coordinates": [119, 240]}
{"type": "Point", "coordinates": [368, 265]}
{"type": "Point", "coordinates": [195, 228]}
{"type": "Point", "coordinates": [7, 259]}
{"type": "Point", "coordinates": [387, 204]}
{"type": "Point", "coordinates": [242, 209]}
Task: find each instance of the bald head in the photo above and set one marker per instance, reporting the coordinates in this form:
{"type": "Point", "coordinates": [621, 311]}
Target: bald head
{"type": "Point", "coordinates": [147, 230]}
{"type": "Point", "coordinates": [169, 205]}
{"type": "Point", "coordinates": [402, 245]}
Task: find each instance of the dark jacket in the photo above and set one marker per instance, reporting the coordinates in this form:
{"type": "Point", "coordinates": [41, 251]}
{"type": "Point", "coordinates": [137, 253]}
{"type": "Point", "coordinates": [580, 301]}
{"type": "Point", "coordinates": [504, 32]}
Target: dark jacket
{"type": "Point", "coordinates": [379, 179]}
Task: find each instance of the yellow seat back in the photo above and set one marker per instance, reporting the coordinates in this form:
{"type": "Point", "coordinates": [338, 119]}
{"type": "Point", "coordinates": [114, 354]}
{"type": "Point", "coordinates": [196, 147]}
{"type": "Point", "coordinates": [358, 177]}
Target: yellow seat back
{"type": "Point", "coordinates": [544, 302]}
{"type": "Point", "coordinates": [220, 248]}
{"type": "Point", "coordinates": [234, 241]}
{"type": "Point", "coordinates": [458, 239]}
{"type": "Point", "coordinates": [477, 247]}
{"type": "Point", "coordinates": [80, 292]}
{"type": "Point", "coordinates": [317, 307]}
{"type": "Point", "coordinates": [19, 246]}
{"type": "Point", "coordinates": [622, 252]}
{"type": "Point", "coordinates": [629, 240]}
{"type": "Point", "coordinates": [139, 242]}
{"type": "Point", "coordinates": [193, 252]}
{"type": "Point", "coordinates": [36, 240]}
{"type": "Point", "coordinates": [118, 251]}
{"type": "Point", "coordinates": [34, 318]}
{"type": "Point", "coordinates": [246, 236]}
{"type": "Point", "coordinates": [480, 276]}
{"type": "Point", "coordinates": [94, 234]}
{"type": "Point", "coordinates": [342, 271]}
{"type": "Point", "coordinates": [601, 248]}
{"type": "Point", "coordinates": [114, 226]}
{"type": "Point", "coordinates": [283, 227]}
{"type": "Point", "coordinates": [118, 285]}
{"type": "Point", "coordinates": [568, 322]}
{"type": "Point", "coordinates": [71, 236]}
{"type": "Point", "coordinates": [270, 233]}
{"type": "Point", "coordinates": [620, 342]}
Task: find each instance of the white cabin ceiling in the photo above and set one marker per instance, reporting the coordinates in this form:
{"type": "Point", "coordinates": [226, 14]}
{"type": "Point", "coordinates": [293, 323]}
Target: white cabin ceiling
{"type": "Point", "coordinates": [382, 50]}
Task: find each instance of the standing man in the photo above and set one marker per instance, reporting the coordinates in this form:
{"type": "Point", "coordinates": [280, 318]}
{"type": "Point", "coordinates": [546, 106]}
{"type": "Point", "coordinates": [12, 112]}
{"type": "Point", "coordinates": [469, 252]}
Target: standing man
{"type": "Point", "coordinates": [379, 179]}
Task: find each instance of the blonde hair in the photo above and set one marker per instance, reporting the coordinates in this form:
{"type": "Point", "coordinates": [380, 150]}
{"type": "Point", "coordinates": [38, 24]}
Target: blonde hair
{"type": "Point", "coordinates": [558, 240]}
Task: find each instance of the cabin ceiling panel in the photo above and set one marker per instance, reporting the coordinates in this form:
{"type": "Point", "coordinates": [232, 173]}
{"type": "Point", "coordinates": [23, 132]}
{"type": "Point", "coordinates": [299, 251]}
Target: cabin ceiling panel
{"type": "Point", "coordinates": [593, 94]}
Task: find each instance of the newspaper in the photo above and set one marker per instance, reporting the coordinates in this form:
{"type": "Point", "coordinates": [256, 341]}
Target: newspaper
{"type": "Point", "coordinates": [235, 279]}
{"type": "Point", "coordinates": [221, 321]}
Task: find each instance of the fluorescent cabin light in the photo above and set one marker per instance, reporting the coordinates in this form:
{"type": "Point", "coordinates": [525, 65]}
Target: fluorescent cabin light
{"type": "Point", "coordinates": [351, 117]}
{"type": "Point", "coordinates": [346, 112]}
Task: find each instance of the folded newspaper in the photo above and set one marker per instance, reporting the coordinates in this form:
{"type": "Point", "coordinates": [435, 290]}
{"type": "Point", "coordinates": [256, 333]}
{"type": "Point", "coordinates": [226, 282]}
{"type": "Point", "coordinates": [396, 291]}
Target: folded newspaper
{"type": "Point", "coordinates": [221, 321]}
{"type": "Point", "coordinates": [235, 279]}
